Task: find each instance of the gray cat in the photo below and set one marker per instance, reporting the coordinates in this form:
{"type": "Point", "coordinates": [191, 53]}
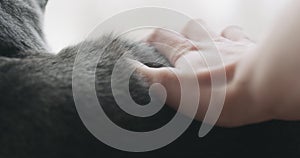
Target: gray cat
{"type": "Point", "coordinates": [38, 118]}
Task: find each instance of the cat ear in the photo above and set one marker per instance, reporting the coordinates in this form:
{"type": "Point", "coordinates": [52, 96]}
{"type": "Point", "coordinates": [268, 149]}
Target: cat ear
{"type": "Point", "coordinates": [42, 3]}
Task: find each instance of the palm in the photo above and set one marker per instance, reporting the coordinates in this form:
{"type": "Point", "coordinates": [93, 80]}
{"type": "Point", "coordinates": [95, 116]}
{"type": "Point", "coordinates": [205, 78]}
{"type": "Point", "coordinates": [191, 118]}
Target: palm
{"type": "Point", "coordinates": [191, 47]}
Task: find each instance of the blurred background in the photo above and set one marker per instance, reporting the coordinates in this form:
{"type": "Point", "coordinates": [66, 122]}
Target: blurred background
{"type": "Point", "coordinates": [67, 22]}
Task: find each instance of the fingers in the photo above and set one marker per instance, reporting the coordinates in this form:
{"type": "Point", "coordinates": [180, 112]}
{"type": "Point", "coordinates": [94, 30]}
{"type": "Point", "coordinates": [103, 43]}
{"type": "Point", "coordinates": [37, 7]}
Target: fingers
{"type": "Point", "coordinates": [170, 44]}
{"type": "Point", "coordinates": [197, 30]}
{"type": "Point", "coordinates": [235, 33]}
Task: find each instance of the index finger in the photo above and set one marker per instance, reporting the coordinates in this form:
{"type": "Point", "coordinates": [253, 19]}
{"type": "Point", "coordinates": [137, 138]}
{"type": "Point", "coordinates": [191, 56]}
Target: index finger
{"type": "Point", "coordinates": [170, 44]}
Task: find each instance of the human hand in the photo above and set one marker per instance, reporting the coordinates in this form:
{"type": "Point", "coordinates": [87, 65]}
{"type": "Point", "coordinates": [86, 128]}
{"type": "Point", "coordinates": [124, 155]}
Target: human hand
{"type": "Point", "coordinates": [232, 44]}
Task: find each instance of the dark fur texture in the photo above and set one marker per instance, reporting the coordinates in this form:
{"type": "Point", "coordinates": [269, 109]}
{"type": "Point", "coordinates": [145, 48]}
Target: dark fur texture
{"type": "Point", "coordinates": [38, 118]}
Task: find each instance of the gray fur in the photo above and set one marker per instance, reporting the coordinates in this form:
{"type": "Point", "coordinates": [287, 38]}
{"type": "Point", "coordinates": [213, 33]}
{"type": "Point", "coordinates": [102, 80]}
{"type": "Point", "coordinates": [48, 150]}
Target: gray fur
{"type": "Point", "coordinates": [38, 118]}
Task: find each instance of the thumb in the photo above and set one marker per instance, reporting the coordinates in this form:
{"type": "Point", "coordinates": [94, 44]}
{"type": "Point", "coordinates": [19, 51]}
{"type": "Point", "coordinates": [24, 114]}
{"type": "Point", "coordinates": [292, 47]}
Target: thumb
{"type": "Point", "coordinates": [165, 76]}
{"type": "Point", "coordinates": [153, 75]}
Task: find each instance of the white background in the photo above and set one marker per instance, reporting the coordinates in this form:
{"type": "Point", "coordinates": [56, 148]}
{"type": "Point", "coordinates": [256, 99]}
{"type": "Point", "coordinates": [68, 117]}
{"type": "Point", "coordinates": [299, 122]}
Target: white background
{"type": "Point", "coordinates": [68, 21]}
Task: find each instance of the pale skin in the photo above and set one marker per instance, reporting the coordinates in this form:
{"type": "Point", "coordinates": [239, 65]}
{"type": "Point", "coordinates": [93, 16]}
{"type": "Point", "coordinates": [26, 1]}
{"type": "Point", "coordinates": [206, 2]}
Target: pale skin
{"type": "Point", "coordinates": [263, 80]}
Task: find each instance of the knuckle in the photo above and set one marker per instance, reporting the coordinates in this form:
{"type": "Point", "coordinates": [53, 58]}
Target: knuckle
{"type": "Point", "coordinates": [219, 39]}
{"type": "Point", "coordinates": [193, 23]}
{"type": "Point", "coordinates": [234, 27]}
{"type": "Point", "coordinates": [182, 48]}
{"type": "Point", "coordinates": [154, 35]}
{"type": "Point", "coordinates": [185, 45]}
{"type": "Point", "coordinates": [201, 21]}
{"type": "Point", "coordinates": [230, 29]}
